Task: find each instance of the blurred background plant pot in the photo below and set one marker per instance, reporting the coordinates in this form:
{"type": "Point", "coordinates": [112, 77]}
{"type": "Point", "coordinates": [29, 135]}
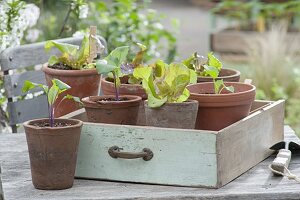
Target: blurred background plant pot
{"type": "Point", "coordinates": [217, 111]}
{"type": "Point", "coordinates": [108, 88]}
{"type": "Point", "coordinates": [100, 110]}
{"type": "Point", "coordinates": [172, 115]}
{"type": "Point", "coordinates": [228, 75]}
{"type": "Point", "coordinates": [53, 153]}
{"type": "Point", "coordinates": [83, 83]}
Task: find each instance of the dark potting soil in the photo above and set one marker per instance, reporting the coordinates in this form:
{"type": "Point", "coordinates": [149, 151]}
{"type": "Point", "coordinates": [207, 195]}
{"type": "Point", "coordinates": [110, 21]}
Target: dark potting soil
{"type": "Point", "coordinates": [113, 99]}
{"type": "Point", "coordinates": [46, 124]}
{"type": "Point", "coordinates": [60, 66]}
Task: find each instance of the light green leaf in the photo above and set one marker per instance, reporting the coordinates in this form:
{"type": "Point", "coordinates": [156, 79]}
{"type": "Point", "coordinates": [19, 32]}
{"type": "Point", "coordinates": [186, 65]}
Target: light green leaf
{"type": "Point", "coordinates": [62, 47]}
{"type": "Point", "coordinates": [61, 85]}
{"type": "Point", "coordinates": [213, 61]}
{"type": "Point", "coordinates": [185, 95]}
{"type": "Point", "coordinates": [53, 94]}
{"type": "Point", "coordinates": [76, 99]}
{"type": "Point", "coordinates": [193, 77]}
{"type": "Point", "coordinates": [217, 85]}
{"type": "Point", "coordinates": [117, 56]}
{"type": "Point", "coordinates": [84, 51]}
{"type": "Point", "coordinates": [211, 71]}
{"type": "Point", "coordinates": [28, 85]}
{"type": "Point", "coordinates": [142, 72]}
{"type": "Point", "coordinates": [104, 68]}
{"type": "Point", "coordinates": [53, 60]}
{"type": "Point", "coordinates": [155, 102]}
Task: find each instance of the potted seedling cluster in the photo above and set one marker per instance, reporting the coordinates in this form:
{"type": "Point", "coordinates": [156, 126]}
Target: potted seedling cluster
{"type": "Point", "coordinates": [168, 104]}
{"type": "Point", "coordinates": [52, 142]}
{"type": "Point", "coordinates": [76, 67]}
{"type": "Point", "coordinates": [220, 103]}
{"type": "Point", "coordinates": [114, 109]}
{"type": "Point", "coordinates": [210, 68]}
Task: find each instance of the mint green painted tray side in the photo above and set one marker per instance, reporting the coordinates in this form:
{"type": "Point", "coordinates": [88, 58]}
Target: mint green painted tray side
{"type": "Point", "coordinates": [181, 157]}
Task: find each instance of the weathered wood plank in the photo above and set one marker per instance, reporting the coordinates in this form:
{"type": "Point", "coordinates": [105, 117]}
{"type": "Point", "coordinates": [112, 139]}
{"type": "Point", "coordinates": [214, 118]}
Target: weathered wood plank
{"type": "Point", "coordinates": [22, 111]}
{"type": "Point", "coordinates": [239, 150]}
{"type": "Point", "coordinates": [14, 83]}
{"type": "Point", "coordinates": [256, 184]}
{"type": "Point", "coordinates": [192, 163]}
{"type": "Point", "coordinates": [1, 190]}
{"type": "Point", "coordinates": [32, 54]}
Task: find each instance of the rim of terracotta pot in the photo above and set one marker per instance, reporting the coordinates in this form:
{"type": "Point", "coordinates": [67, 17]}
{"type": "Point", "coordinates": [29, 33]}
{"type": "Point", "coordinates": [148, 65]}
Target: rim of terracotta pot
{"type": "Point", "coordinates": [59, 72]}
{"type": "Point", "coordinates": [235, 73]}
{"type": "Point", "coordinates": [89, 102]}
{"type": "Point", "coordinates": [244, 96]}
{"type": "Point", "coordinates": [75, 123]}
{"type": "Point", "coordinates": [187, 102]}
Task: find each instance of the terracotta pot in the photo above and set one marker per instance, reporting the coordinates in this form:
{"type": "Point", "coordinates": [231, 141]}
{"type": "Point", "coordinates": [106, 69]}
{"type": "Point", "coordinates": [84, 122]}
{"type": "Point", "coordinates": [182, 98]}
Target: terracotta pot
{"type": "Point", "coordinates": [172, 115]}
{"type": "Point", "coordinates": [108, 88]}
{"type": "Point", "coordinates": [112, 112]}
{"type": "Point", "coordinates": [53, 153]}
{"type": "Point", "coordinates": [217, 111]}
{"type": "Point", "coordinates": [228, 75]}
{"type": "Point", "coordinates": [83, 83]}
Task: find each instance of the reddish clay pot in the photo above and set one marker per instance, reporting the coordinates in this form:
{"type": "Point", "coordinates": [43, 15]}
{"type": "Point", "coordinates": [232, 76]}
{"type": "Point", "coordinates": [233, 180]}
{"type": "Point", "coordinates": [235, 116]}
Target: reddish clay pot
{"type": "Point", "coordinates": [53, 153]}
{"type": "Point", "coordinates": [228, 75]}
{"type": "Point", "coordinates": [172, 115]}
{"type": "Point", "coordinates": [108, 88]}
{"type": "Point", "coordinates": [217, 111]}
{"type": "Point", "coordinates": [83, 83]}
{"type": "Point", "coordinates": [112, 112]}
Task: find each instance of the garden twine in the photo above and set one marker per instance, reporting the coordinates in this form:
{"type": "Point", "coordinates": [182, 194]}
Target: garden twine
{"type": "Point", "coordinates": [288, 174]}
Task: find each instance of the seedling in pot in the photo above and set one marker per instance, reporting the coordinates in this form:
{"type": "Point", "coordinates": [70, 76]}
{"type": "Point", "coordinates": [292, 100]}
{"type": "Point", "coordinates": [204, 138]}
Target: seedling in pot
{"type": "Point", "coordinates": [209, 66]}
{"type": "Point", "coordinates": [73, 57]}
{"type": "Point", "coordinates": [165, 82]}
{"type": "Point", "coordinates": [112, 64]}
{"type": "Point", "coordinates": [52, 94]}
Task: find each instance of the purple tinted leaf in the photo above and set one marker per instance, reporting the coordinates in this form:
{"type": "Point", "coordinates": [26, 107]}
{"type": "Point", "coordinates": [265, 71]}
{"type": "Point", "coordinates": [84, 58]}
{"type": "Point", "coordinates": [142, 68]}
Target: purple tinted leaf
{"type": "Point", "coordinates": [127, 68]}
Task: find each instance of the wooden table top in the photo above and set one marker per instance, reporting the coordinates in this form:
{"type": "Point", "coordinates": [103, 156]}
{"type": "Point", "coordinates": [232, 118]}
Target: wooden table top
{"type": "Point", "coordinates": [257, 183]}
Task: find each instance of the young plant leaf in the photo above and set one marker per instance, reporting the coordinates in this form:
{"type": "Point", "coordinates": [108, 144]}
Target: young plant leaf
{"type": "Point", "coordinates": [29, 86]}
{"type": "Point", "coordinates": [76, 99]}
{"type": "Point", "coordinates": [213, 61]}
{"type": "Point", "coordinates": [62, 47]}
{"type": "Point", "coordinates": [104, 68]}
{"type": "Point", "coordinates": [138, 59]}
{"type": "Point", "coordinates": [53, 94]}
{"type": "Point", "coordinates": [53, 60]}
{"type": "Point", "coordinates": [61, 85]}
{"type": "Point", "coordinates": [117, 56]}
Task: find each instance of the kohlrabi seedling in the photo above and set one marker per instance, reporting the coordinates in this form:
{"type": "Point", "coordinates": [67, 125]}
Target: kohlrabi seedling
{"type": "Point", "coordinates": [112, 64]}
{"type": "Point", "coordinates": [208, 66]}
{"type": "Point", "coordinates": [72, 55]}
{"type": "Point", "coordinates": [165, 83]}
{"type": "Point", "coordinates": [52, 94]}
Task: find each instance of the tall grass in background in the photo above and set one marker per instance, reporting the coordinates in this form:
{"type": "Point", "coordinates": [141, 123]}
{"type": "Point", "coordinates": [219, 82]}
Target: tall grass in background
{"type": "Point", "coordinates": [275, 69]}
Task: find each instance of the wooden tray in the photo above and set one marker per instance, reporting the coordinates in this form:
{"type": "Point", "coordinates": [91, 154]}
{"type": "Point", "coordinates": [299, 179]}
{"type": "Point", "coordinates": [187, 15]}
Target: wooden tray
{"type": "Point", "coordinates": [183, 157]}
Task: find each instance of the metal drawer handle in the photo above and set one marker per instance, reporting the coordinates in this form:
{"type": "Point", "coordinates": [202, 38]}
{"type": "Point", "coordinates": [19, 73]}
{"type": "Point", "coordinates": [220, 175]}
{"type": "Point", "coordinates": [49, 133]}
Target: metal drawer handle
{"type": "Point", "coordinates": [115, 152]}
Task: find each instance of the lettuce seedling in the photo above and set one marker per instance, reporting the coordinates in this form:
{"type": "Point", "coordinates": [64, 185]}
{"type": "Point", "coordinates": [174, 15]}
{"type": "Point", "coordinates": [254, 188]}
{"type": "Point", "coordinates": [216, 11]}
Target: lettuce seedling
{"type": "Point", "coordinates": [71, 55]}
{"type": "Point", "coordinates": [165, 83]}
{"type": "Point", "coordinates": [52, 94]}
{"type": "Point", "coordinates": [207, 66]}
{"type": "Point", "coordinates": [112, 64]}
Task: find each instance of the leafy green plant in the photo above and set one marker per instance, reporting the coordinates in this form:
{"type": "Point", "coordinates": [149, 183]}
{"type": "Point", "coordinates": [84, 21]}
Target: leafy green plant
{"type": "Point", "coordinates": [55, 90]}
{"type": "Point", "coordinates": [71, 55]}
{"type": "Point", "coordinates": [165, 82]}
{"type": "Point", "coordinates": [112, 64]}
{"type": "Point", "coordinates": [207, 66]}
{"type": "Point", "coordinates": [127, 22]}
